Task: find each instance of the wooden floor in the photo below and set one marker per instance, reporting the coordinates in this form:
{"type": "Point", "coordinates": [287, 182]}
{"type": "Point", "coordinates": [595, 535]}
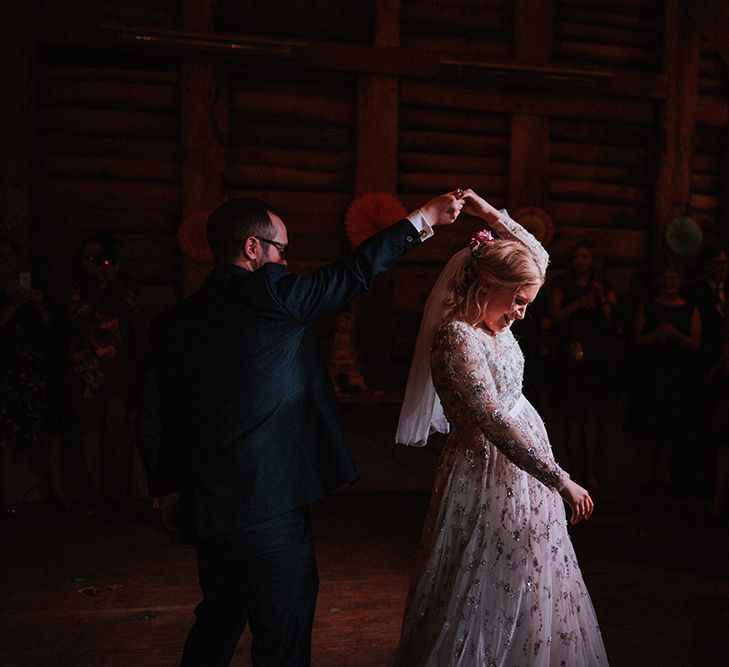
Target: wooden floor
{"type": "Point", "coordinates": [81, 591]}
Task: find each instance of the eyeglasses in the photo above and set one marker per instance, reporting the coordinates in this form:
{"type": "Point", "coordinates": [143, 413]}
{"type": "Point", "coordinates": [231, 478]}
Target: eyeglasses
{"type": "Point", "coordinates": [281, 247]}
{"type": "Point", "coordinates": [99, 260]}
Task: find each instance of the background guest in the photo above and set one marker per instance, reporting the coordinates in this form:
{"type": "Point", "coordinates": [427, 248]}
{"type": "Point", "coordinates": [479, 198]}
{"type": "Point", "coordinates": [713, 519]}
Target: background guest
{"type": "Point", "coordinates": [710, 293]}
{"type": "Point", "coordinates": [720, 501]}
{"type": "Point", "coordinates": [101, 314]}
{"type": "Point", "coordinates": [533, 334]}
{"type": "Point", "coordinates": [581, 307]}
{"type": "Point", "coordinates": [29, 386]}
{"type": "Point", "coordinates": [666, 334]}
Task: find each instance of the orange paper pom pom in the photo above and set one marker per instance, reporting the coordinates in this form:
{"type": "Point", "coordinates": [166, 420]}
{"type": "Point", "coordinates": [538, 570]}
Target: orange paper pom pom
{"type": "Point", "coordinates": [192, 238]}
{"type": "Point", "coordinates": [371, 213]}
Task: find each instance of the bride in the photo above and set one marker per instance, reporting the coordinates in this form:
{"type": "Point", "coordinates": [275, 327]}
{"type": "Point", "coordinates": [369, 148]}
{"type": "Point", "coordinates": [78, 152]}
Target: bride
{"type": "Point", "coordinates": [496, 579]}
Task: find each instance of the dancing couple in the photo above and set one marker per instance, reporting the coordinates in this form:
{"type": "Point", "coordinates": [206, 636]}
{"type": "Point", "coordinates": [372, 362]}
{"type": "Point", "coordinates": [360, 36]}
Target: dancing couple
{"type": "Point", "coordinates": [240, 432]}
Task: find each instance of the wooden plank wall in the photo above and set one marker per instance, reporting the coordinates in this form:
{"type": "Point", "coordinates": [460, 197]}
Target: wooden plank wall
{"type": "Point", "coordinates": [709, 167]}
{"type": "Point", "coordinates": [622, 34]}
{"type": "Point", "coordinates": [480, 29]}
{"type": "Point", "coordinates": [108, 160]}
{"type": "Point", "coordinates": [603, 160]}
{"type": "Point", "coordinates": [292, 144]}
{"type": "Point", "coordinates": [602, 171]}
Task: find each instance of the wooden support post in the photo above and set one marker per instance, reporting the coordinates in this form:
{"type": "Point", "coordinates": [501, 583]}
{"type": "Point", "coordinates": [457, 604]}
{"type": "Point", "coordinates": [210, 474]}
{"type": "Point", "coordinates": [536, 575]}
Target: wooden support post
{"type": "Point", "coordinates": [377, 118]}
{"type": "Point", "coordinates": [529, 154]}
{"type": "Point", "coordinates": [17, 88]}
{"type": "Point", "coordinates": [377, 113]}
{"type": "Point", "coordinates": [677, 117]}
{"type": "Point", "coordinates": [376, 171]}
{"type": "Point", "coordinates": [204, 127]}
{"type": "Point", "coordinates": [528, 161]}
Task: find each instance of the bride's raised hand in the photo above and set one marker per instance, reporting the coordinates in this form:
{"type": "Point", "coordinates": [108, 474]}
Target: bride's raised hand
{"type": "Point", "coordinates": [579, 501]}
{"type": "Point", "coordinates": [477, 206]}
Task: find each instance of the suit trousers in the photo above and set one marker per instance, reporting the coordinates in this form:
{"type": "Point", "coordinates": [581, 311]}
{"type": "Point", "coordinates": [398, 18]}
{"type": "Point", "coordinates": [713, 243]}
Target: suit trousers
{"type": "Point", "coordinates": [264, 575]}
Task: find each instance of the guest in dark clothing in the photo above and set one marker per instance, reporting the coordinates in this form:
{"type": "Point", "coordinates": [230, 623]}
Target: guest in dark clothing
{"type": "Point", "coordinates": [582, 310]}
{"type": "Point", "coordinates": [29, 381]}
{"type": "Point", "coordinates": [710, 293]}
{"type": "Point", "coordinates": [666, 333]}
{"type": "Point", "coordinates": [533, 334]}
{"type": "Point", "coordinates": [101, 315]}
{"type": "Point", "coordinates": [720, 501]}
{"type": "Point", "coordinates": [242, 429]}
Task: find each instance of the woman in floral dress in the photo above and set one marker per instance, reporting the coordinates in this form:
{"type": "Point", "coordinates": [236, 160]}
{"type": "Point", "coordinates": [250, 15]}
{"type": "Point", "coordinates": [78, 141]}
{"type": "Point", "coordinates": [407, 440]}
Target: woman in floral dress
{"type": "Point", "coordinates": [101, 314]}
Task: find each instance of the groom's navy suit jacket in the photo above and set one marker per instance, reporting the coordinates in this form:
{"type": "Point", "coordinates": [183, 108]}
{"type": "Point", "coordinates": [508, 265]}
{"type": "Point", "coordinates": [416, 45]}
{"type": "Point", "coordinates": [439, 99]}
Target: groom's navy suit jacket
{"type": "Point", "coordinates": [250, 427]}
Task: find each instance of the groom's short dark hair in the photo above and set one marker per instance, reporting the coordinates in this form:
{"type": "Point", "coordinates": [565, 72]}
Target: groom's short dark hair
{"type": "Point", "coordinates": [233, 222]}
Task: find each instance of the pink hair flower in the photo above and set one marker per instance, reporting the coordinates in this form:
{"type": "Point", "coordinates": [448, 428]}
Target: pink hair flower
{"type": "Point", "coordinates": [483, 237]}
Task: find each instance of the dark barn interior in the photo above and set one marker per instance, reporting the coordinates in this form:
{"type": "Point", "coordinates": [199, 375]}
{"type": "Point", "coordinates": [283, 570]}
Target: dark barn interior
{"type": "Point", "coordinates": [606, 122]}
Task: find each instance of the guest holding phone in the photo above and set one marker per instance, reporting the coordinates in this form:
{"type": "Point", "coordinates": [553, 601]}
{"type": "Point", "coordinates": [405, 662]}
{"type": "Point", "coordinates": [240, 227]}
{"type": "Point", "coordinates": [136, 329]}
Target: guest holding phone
{"type": "Point", "coordinates": [29, 386]}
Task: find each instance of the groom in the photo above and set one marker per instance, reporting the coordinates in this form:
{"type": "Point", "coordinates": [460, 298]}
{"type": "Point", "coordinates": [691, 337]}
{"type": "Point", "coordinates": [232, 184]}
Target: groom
{"type": "Point", "coordinates": [240, 429]}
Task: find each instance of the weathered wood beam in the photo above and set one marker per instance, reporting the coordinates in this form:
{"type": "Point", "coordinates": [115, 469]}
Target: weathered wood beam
{"type": "Point", "coordinates": [377, 125]}
{"type": "Point", "coordinates": [204, 132]}
{"type": "Point", "coordinates": [456, 95]}
{"type": "Point", "coordinates": [376, 59]}
{"type": "Point", "coordinates": [376, 171]}
{"type": "Point", "coordinates": [677, 122]}
{"type": "Point", "coordinates": [17, 86]}
{"type": "Point", "coordinates": [529, 154]}
{"type": "Point", "coordinates": [377, 112]}
{"type": "Point", "coordinates": [533, 32]}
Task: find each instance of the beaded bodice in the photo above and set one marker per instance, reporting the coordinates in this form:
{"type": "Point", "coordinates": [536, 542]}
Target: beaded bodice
{"type": "Point", "coordinates": [478, 377]}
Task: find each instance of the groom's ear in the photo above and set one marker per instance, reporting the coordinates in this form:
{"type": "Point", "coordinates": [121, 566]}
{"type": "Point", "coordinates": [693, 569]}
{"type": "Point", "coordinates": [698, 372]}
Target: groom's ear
{"type": "Point", "coordinates": [248, 249]}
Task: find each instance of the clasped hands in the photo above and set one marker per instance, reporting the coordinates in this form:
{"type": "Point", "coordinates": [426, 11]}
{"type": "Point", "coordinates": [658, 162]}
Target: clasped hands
{"type": "Point", "coordinates": [665, 331]}
{"type": "Point", "coordinates": [444, 209]}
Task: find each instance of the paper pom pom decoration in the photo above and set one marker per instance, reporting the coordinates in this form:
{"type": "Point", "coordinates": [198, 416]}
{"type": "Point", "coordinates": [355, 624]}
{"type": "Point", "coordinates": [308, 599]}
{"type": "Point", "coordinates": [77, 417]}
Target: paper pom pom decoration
{"type": "Point", "coordinates": [13, 207]}
{"type": "Point", "coordinates": [684, 235]}
{"type": "Point", "coordinates": [371, 213]}
{"type": "Point", "coordinates": [192, 239]}
{"type": "Point", "coordinates": [537, 221]}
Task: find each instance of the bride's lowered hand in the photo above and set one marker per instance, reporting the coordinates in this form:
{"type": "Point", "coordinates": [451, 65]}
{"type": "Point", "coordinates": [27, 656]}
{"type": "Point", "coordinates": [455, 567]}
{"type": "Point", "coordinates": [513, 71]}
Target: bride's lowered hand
{"type": "Point", "coordinates": [579, 501]}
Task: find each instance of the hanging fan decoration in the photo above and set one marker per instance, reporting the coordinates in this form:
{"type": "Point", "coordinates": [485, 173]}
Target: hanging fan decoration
{"type": "Point", "coordinates": [684, 235]}
{"type": "Point", "coordinates": [14, 207]}
{"type": "Point", "coordinates": [371, 213]}
{"type": "Point", "coordinates": [537, 221]}
{"type": "Point", "coordinates": [192, 238]}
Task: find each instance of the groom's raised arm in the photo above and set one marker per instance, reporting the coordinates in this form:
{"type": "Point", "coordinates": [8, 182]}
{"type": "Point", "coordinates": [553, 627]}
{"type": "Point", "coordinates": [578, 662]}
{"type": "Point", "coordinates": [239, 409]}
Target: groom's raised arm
{"type": "Point", "coordinates": [333, 286]}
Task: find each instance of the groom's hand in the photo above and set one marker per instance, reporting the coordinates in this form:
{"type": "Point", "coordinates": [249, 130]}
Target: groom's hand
{"type": "Point", "coordinates": [443, 210]}
{"type": "Point", "coordinates": [168, 507]}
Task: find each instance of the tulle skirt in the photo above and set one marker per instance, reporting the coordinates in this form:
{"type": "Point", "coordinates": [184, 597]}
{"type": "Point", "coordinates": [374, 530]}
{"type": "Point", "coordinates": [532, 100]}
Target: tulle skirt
{"type": "Point", "coordinates": [496, 581]}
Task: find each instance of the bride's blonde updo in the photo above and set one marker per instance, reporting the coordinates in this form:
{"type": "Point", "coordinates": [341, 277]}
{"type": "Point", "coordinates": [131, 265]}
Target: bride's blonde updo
{"type": "Point", "coordinates": [500, 263]}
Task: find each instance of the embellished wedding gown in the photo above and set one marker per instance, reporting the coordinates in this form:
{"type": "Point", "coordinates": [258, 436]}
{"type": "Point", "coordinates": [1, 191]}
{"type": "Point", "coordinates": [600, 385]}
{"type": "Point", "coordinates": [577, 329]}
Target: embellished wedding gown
{"type": "Point", "coordinates": [496, 580]}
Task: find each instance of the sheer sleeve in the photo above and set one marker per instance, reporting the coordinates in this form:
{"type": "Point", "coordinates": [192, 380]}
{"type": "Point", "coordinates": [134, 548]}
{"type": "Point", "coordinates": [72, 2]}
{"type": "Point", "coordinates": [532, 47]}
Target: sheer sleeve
{"type": "Point", "coordinates": [461, 374]}
{"type": "Point", "coordinates": [508, 228]}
